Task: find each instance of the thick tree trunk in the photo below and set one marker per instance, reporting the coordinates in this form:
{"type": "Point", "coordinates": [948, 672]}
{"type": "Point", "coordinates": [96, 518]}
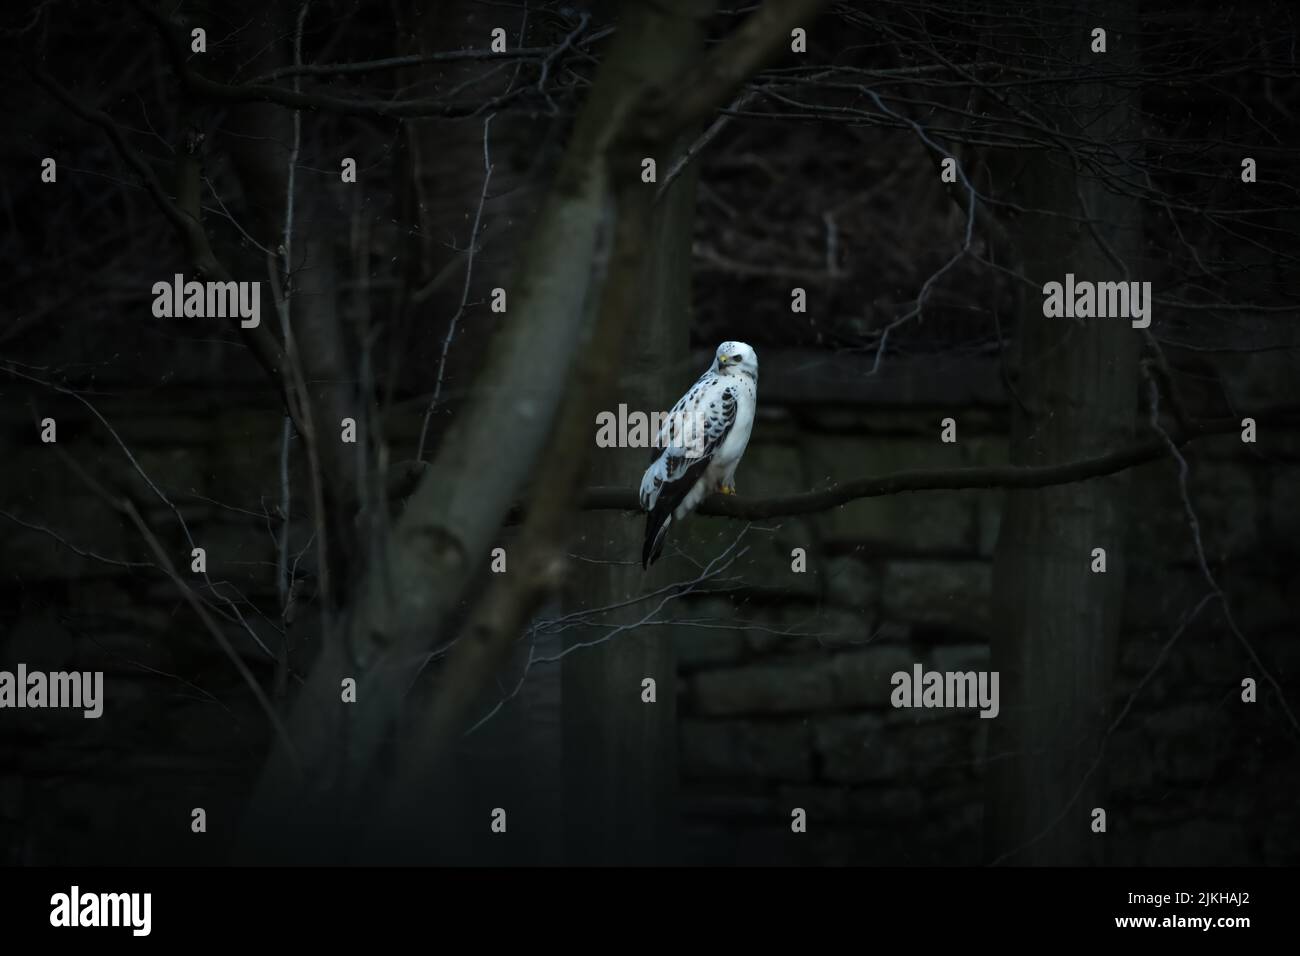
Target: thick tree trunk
{"type": "Point", "coordinates": [1055, 620]}
{"type": "Point", "coordinates": [440, 544]}
{"type": "Point", "coordinates": [441, 541]}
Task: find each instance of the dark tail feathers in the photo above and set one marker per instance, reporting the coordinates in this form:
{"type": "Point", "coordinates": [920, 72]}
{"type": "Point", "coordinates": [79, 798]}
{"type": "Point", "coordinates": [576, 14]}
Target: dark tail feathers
{"type": "Point", "coordinates": [656, 532]}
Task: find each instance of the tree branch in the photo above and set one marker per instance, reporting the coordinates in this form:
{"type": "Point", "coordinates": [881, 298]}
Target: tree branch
{"type": "Point", "coordinates": [399, 62]}
{"type": "Point", "coordinates": [606, 498]}
{"type": "Point", "coordinates": [692, 99]}
{"type": "Point", "coordinates": [201, 86]}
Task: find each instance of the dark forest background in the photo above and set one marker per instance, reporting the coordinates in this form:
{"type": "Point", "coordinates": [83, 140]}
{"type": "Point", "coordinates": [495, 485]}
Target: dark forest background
{"type": "Point", "coordinates": [779, 167]}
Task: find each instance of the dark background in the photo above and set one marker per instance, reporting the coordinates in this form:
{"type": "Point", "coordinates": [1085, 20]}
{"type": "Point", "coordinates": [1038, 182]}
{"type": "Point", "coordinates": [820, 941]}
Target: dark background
{"type": "Point", "coordinates": [1120, 691]}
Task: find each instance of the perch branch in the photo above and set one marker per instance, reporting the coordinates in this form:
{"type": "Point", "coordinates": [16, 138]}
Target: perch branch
{"type": "Point", "coordinates": [609, 498]}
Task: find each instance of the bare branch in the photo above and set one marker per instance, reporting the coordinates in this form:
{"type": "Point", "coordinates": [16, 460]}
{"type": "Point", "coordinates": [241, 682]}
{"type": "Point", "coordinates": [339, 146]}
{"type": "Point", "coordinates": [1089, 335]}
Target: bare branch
{"type": "Point", "coordinates": [604, 498]}
{"type": "Point", "coordinates": [259, 340]}
{"type": "Point", "coordinates": [474, 239]}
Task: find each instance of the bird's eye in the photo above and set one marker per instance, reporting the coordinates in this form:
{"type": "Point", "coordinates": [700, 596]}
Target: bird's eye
{"type": "Point", "coordinates": [737, 357]}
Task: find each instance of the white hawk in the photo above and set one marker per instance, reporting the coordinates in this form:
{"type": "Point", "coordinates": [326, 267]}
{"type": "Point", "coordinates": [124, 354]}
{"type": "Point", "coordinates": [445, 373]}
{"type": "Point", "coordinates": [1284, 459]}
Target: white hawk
{"type": "Point", "coordinates": [700, 443]}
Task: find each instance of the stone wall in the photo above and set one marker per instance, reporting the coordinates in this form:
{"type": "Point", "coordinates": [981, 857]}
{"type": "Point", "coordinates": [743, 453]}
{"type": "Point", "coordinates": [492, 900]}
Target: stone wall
{"type": "Point", "coordinates": [784, 675]}
{"type": "Point", "coordinates": [791, 709]}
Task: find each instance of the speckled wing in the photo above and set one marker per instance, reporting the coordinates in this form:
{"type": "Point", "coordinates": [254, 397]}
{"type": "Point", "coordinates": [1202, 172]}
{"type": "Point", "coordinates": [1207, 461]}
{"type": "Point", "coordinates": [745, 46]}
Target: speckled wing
{"type": "Point", "coordinates": [670, 459]}
{"type": "Point", "coordinates": [711, 406]}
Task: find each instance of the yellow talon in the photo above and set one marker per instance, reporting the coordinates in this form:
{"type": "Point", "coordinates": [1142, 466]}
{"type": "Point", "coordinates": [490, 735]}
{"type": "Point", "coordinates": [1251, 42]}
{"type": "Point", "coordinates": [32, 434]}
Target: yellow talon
{"type": "Point", "coordinates": [727, 490]}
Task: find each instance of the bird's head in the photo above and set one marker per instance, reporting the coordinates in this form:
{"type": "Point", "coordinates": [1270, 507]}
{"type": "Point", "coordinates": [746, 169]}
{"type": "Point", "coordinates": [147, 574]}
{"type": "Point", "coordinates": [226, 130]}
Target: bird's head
{"type": "Point", "coordinates": [737, 358]}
